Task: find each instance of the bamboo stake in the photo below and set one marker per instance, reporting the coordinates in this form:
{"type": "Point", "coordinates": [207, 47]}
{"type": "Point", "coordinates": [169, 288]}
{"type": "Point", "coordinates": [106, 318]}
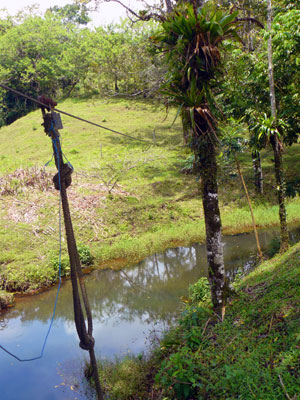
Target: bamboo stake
{"type": "Point", "coordinates": [250, 206]}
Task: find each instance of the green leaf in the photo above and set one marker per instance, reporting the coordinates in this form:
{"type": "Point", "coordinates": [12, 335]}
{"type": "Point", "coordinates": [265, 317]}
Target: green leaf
{"type": "Point", "coordinates": [189, 74]}
{"type": "Point", "coordinates": [228, 19]}
{"type": "Point", "coordinates": [192, 117]}
{"type": "Point", "coordinates": [186, 391]}
{"type": "Point", "coordinates": [178, 112]}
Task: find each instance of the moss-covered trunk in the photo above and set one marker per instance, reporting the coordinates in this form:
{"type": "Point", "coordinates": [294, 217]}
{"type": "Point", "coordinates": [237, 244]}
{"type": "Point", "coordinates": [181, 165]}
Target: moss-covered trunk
{"type": "Point", "coordinates": [284, 236]}
{"type": "Point", "coordinates": [205, 156]}
{"type": "Point", "coordinates": [258, 174]}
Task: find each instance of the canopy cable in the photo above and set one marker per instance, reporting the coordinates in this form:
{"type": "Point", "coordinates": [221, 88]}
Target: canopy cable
{"type": "Point", "coordinates": [17, 92]}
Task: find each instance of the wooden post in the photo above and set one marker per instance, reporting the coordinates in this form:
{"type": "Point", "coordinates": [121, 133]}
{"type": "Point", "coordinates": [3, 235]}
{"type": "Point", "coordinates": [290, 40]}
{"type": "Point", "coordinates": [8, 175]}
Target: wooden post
{"type": "Point", "coordinates": [154, 137]}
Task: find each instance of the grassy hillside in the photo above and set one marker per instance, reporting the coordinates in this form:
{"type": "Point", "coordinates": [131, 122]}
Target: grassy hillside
{"type": "Point", "coordinates": [152, 206]}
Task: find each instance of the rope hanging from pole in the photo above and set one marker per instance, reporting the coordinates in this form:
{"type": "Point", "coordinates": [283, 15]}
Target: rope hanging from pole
{"type": "Point", "coordinates": [62, 180]}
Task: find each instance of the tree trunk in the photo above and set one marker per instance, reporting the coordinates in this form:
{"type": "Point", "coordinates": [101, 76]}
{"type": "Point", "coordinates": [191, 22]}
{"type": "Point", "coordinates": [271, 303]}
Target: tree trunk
{"type": "Point", "coordinates": [270, 63]}
{"type": "Point", "coordinates": [205, 155]}
{"type": "Point", "coordinates": [72, 88]}
{"type": "Point", "coordinates": [258, 173]}
{"type": "Point", "coordinates": [284, 239]}
{"type": "Point", "coordinates": [116, 84]}
{"type": "Point", "coordinates": [284, 236]}
{"type": "Point", "coordinates": [169, 6]}
{"type": "Point", "coordinates": [250, 38]}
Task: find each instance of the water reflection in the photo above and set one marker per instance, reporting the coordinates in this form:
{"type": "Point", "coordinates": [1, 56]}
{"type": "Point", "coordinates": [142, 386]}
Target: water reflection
{"type": "Point", "coordinates": [127, 305]}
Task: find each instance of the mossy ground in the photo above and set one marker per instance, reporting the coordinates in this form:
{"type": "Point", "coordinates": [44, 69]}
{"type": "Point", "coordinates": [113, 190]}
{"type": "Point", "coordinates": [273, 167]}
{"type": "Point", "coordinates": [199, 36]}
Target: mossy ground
{"type": "Point", "coordinates": [153, 205]}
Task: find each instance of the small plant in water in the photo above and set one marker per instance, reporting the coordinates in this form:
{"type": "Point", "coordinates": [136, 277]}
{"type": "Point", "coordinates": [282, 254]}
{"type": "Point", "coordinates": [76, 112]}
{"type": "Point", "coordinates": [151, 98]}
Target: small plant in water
{"type": "Point", "coordinates": [274, 247]}
{"type": "Point", "coordinates": [124, 379]}
{"type": "Point", "coordinates": [199, 291]}
{"type": "Point", "coordinates": [85, 256]}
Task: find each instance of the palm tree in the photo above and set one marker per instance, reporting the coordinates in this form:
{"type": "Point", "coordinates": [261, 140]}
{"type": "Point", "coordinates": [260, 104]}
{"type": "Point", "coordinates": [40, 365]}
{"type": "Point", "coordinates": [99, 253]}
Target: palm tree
{"type": "Point", "coordinates": [191, 38]}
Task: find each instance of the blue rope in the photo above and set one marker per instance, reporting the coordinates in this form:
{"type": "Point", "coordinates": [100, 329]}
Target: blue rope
{"type": "Point", "coordinates": [48, 162]}
{"type": "Point", "coordinates": [70, 165]}
{"type": "Point", "coordinates": [59, 271]}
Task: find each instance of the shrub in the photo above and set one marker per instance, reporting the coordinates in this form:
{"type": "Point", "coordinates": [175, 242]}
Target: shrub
{"type": "Point", "coordinates": [199, 291]}
{"type": "Point", "coordinates": [124, 379]}
{"type": "Point", "coordinates": [84, 254]}
{"type": "Point", "coordinates": [6, 299]}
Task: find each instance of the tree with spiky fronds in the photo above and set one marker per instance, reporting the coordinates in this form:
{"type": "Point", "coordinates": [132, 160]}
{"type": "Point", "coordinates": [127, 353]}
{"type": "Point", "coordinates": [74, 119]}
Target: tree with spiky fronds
{"type": "Point", "coordinates": [191, 38]}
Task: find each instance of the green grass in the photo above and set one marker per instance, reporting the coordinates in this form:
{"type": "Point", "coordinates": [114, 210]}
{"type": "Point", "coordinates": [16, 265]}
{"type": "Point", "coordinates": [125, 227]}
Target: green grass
{"type": "Point", "coordinates": [152, 207]}
{"type": "Point", "coordinates": [253, 354]}
{"type": "Point", "coordinates": [6, 299]}
{"type": "Point", "coordinates": [125, 378]}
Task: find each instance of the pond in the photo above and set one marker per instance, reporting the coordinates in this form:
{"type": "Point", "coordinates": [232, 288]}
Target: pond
{"type": "Point", "coordinates": [129, 306]}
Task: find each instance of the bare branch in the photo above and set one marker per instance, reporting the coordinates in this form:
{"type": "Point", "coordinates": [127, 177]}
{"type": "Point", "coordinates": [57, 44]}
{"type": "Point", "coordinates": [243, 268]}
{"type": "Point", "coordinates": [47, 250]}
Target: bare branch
{"type": "Point", "coordinates": [124, 6]}
{"type": "Point", "coordinates": [142, 15]}
{"type": "Point", "coordinates": [251, 19]}
{"type": "Point", "coordinates": [284, 389]}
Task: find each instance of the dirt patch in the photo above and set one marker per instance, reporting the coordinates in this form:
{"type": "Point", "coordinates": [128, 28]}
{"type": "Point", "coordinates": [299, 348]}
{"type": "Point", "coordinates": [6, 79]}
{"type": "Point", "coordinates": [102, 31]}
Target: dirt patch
{"type": "Point", "coordinates": [18, 211]}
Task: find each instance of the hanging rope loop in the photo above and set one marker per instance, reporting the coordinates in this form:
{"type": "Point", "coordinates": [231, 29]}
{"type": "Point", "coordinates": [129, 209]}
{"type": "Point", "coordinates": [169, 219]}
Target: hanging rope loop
{"type": "Point", "coordinates": [88, 345]}
{"type": "Point", "coordinates": [61, 181]}
{"type": "Point", "coordinates": [65, 176]}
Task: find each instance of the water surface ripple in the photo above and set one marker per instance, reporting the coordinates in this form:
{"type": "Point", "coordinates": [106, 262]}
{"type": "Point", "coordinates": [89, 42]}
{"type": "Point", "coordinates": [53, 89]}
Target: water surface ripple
{"type": "Point", "coordinates": [127, 306]}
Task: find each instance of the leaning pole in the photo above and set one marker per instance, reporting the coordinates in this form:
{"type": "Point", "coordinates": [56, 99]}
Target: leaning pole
{"type": "Point", "coordinates": [62, 180]}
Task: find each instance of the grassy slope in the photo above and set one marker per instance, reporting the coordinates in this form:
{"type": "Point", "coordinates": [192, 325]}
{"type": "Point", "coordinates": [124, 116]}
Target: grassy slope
{"type": "Point", "coordinates": [253, 354]}
{"type": "Point", "coordinates": [153, 207]}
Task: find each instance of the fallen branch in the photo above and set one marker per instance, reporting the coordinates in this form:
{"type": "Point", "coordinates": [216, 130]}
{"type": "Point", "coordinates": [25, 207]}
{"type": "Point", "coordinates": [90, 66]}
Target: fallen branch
{"type": "Point", "coordinates": [284, 389]}
{"type": "Point", "coordinates": [206, 325]}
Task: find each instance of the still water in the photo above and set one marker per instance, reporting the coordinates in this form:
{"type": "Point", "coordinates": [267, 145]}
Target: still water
{"type": "Point", "coordinates": [129, 306]}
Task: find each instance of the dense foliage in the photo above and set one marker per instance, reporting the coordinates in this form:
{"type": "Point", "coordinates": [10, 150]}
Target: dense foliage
{"type": "Point", "coordinates": [56, 56]}
{"type": "Point", "coordinates": [247, 86]}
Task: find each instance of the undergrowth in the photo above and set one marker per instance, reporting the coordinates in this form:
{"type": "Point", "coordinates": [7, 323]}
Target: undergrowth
{"type": "Point", "coordinates": [6, 299]}
{"type": "Point", "coordinates": [126, 378]}
{"type": "Point", "coordinates": [253, 354]}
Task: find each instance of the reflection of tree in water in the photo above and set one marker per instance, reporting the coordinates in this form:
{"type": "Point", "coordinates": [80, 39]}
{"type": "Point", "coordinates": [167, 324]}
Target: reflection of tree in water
{"type": "Point", "coordinates": [152, 289]}
{"type": "Point", "coordinates": [149, 291]}
{"type": "Point", "coordinates": [3, 323]}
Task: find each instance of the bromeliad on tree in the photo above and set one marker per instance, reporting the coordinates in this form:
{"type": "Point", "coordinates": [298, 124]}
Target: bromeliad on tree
{"type": "Point", "coordinates": [191, 39]}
